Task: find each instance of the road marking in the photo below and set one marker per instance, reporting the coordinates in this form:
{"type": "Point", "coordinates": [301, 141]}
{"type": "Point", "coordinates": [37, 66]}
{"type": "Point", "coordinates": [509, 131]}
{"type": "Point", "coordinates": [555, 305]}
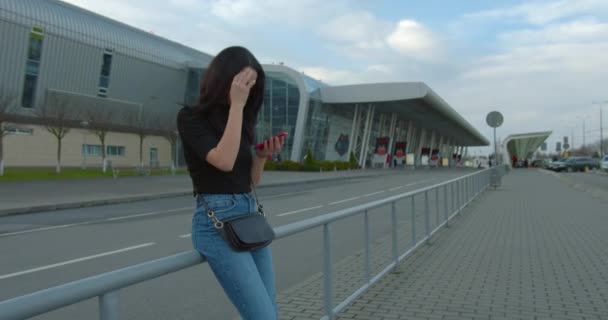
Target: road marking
{"type": "Point", "coordinates": [44, 229]}
{"type": "Point", "coordinates": [298, 211]}
{"type": "Point", "coordinates": [187, 235]}
{"type": "Point", "coordinates": [11, 275]}
{"type": "Point", "coordinates": [94, 221]}
{"type": "Point", "coordinates": [345, 200]}
{"type": "Point", "coordinates": [148, 214]}
{"type": "Point", "coordinates": [373, 193]}
{"type": "Point", "coordinates": [412, 184]}
{"type": "Point", "coordinates": [395, 188]}
{"type": "Point", "coordinates": [283, 195]}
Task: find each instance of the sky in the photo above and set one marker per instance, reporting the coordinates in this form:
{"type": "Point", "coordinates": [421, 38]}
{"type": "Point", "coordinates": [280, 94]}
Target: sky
{"type": "Point", "coordinates": [542, 64]}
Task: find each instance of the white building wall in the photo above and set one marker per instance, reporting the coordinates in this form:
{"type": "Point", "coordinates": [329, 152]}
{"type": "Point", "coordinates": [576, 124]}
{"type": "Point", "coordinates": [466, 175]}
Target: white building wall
{"type": "Point", "coordinates": [40, 149]}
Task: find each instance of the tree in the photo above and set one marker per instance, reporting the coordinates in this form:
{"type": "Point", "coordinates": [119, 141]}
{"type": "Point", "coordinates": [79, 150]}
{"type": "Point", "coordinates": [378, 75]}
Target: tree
{"type": "Point", "coordinates": [140, 123]}
{"type": "Point", "coordinates": [310, 160]}
{"type": "Point", "coordinates": [7, 104]}
{"type": "Point", "coordinates": [100, 123]}
{"type": "Point", "coordinates": [56, 120]}
{"type": "Point", "coordinates": [168, 129]}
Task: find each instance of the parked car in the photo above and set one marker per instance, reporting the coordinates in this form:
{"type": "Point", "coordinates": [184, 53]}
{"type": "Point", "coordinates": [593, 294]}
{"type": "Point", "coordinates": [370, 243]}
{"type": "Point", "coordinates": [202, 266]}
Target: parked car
{"type": "Point", "coordinates": [541, 163]}
{"type": "Point", "coordinates": [579, 164]}
{"type": "Point", "coordinates": [604, 163]}
{"type": "Point", "coordinates": [557, 165]}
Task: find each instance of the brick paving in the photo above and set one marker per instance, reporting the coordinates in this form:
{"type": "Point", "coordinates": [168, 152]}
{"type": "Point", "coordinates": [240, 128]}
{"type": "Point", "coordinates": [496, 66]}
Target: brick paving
{"type": "Point", "coordinates": [534, 249]}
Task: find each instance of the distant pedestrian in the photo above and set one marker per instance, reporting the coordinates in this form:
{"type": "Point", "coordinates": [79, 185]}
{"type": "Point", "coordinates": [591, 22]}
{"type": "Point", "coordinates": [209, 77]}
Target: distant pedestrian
{"type": "Point", "coordinates": [218, 137]}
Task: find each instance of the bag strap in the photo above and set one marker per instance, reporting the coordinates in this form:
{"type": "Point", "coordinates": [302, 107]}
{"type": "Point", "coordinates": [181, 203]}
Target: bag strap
{"type": "Point", "coordinates": [260, 206]}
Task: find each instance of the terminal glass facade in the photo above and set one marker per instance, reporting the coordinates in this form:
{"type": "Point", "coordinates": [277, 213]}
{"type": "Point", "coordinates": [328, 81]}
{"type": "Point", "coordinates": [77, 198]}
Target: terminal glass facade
{"type": "Point", "coordinates": [317, 127]}
{"type": "Point", "coordinates": [280, 110]}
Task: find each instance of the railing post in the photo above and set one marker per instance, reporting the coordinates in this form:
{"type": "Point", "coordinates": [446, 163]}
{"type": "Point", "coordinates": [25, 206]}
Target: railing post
{"type": "Point", "coordinates": [108, 306]}
{"type": "Point", "coordinates": [427, 217]}
{"type": "Point", "coordinates": [445, 204]}
{"type": "Point", "coordinates": [470, 189]}
{"type": "Point", "coordinates": [327, 275]}
{"type": "Point", "coordinates": [437, 206]}
{"type": "Point", "coordinates": [368, 272]}
{"type": "Point", "coordinates": [394, 221]}
{"type": "Point", "coordinates": [459, 195]}
{"type": "Point", "coordinates": [463, 194]}
{"type": "Point", "coordinates": [452, 197]}
{"type": "Point", "coordinates": [413, 220]}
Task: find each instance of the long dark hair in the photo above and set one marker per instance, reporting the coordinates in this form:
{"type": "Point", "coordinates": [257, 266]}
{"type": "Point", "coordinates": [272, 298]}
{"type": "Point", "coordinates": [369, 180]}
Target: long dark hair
{"type": "Point", "coordinates": [214, 101]}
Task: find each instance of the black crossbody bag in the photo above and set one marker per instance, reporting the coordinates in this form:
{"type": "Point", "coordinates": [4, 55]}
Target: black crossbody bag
{"type": "Point", "coordinates": [245, 232]}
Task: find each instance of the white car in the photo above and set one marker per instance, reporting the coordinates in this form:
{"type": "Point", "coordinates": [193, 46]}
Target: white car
{"type": "Point", "coordinates": [604, 163]}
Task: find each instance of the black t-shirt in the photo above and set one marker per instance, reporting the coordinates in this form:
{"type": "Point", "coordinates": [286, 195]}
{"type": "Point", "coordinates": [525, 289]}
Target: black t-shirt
{"type": "Point", "coordinates": [198, 138]}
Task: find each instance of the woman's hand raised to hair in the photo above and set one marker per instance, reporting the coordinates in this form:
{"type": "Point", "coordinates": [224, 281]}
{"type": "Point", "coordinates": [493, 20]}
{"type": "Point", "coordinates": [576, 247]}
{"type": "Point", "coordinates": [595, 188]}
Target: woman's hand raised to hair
{"type": "Point", "coordinates": [241, 85]}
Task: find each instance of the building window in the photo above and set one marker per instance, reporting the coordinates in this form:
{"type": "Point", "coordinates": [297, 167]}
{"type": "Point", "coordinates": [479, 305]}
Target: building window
{"type": "Point", "coordinates": [19, 131]}
{"type": "Point", "coordinates": [115, 151]}
{"type": "Point", "coordinates": [32, 68]}
{"type": "Point", "coordinates": [104, 75]}
{"type": "Point", "coordinates": [94, 150]}
{"type": "Point", "coordinates": [193, 86]}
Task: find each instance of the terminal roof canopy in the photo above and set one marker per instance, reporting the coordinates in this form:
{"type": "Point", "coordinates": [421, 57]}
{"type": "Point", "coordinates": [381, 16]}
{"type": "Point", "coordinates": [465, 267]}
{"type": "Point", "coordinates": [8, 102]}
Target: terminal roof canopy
{"type": "Point", "coordinates": [413, 101]}
{"type": "Point", "coordinates": [524, 144]}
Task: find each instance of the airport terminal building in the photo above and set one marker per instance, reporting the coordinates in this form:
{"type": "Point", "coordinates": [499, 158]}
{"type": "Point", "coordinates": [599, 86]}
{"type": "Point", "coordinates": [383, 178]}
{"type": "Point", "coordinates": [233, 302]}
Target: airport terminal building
{"type": "Point", "coordinates": [98, 79]}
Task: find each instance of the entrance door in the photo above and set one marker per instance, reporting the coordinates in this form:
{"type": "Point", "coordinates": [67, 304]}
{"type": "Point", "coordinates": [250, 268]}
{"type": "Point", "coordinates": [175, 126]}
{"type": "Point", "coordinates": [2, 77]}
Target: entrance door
{"type": "Point", "coordinates": [154, 158]}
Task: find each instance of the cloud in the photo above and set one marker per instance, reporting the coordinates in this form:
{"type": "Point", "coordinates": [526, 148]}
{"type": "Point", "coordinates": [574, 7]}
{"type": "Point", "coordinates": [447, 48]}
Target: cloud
{"type": "Point", "coordinates": [279, 13]}
{"type": "Point", "coordinates": [344, 76]}
{"type": "Point", "coordinates": [542, 71]}
{"type": "Point", "coordinates": [359, 29]}
{"type": "Point", "coordinates": [543, 12]}
{"type": "Point", "coordinates": [411, 38]}
{"type": "Point", "coordinates": [587, 30]}
{"type": "Point", "coordinates": [380, 68]}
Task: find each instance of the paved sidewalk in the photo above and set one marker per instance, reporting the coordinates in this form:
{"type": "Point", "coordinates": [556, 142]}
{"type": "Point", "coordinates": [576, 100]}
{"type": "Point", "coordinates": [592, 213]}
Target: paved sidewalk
{"type": "Point", "coordinates": [35, 196]}
{"type": "Point", "coordinates": [534, 249]}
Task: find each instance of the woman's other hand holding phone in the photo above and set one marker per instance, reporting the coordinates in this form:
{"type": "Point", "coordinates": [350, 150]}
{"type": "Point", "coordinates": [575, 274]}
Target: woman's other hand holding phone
{"type": "Point", "coordinates": [271, 146]}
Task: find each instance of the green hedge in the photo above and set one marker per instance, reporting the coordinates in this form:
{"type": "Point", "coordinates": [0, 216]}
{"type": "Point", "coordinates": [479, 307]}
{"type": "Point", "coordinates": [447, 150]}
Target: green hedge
{"type": "Point", "coordinates": [310, 166]}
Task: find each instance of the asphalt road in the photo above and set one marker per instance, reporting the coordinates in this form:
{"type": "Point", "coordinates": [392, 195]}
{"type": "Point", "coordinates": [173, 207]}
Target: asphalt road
{"type": "Point", "coordinates": [42, 250]}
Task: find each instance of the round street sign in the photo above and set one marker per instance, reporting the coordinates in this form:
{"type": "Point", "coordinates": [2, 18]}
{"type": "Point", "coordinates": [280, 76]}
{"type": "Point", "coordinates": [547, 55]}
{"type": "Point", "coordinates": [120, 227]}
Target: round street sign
{"type": "Point", "coordinates": [494, 119]}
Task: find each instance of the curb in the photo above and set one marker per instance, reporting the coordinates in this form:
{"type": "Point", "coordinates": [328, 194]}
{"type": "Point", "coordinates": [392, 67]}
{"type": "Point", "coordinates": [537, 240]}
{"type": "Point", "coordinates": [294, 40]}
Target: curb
{"type": "Point", "coordinates": [103, 202]}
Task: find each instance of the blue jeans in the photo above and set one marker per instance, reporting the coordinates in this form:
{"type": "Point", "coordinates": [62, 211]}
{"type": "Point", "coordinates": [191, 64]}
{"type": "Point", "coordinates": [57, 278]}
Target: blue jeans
{"type": "Point", "coordinates": [247, 277]}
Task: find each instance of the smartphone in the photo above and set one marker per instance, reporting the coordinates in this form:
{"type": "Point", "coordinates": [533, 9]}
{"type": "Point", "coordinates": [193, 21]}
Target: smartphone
{"type": "Point", "coordinates": [260, 146]}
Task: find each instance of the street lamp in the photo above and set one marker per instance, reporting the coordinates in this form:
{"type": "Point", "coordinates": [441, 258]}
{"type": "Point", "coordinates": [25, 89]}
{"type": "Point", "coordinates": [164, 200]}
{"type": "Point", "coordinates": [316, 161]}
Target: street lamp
{"type": "Point", "coordinates": [601, 103]}
{"type": "Point", "coordinates": [84, 148]}
{"type": "Point", "coordinates": [583, 118]}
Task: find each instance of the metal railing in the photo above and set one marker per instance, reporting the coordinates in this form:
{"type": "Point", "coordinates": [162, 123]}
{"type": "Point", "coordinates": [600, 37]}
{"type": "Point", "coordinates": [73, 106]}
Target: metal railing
{"type": "Point", "coordinates": [106, 287]}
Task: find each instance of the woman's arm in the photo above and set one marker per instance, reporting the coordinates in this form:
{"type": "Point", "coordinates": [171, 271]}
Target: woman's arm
{"type": "Point", "coordinates": [223, 156]}
{"type": "Point", "coordinates": [256, 169]}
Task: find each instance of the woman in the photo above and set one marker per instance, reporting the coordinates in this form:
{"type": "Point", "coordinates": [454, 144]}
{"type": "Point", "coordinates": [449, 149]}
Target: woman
{"type": "Point", "coordinates": [218, 135]}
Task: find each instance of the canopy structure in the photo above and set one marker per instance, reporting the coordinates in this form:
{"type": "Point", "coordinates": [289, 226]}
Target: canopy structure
{"type": "Point", "coordinates": [413, 101]}
{"type": "Point", "coordinates": [523, 145]}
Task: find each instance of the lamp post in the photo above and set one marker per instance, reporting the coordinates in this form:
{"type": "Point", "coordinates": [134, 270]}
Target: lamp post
{"type": "Point", "coordinates": [583, 118]}
{"type": "Point", "coordinates": [495, 119]}
{"type": "Point", "coordinates": [601, 105]}
{"type": "Point", "coordinates": [84, 148]}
